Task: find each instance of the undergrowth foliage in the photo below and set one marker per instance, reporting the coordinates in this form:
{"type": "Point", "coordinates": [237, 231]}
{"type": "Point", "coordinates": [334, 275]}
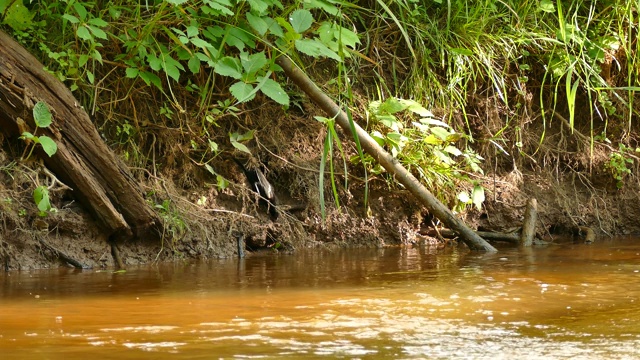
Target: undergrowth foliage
{"type": "Point", "coordinates": [198, 63]}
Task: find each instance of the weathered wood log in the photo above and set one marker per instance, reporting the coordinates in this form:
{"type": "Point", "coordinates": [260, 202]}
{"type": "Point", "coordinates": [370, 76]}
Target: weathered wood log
{"type": "Point", "coordinates": [100, 181]}
{"type": "Point", "coordinates": [391, 164]}
{"type": "Point", "coordinates": [513, 238]}
{"type": "Point", "coordinates": [529, 223]}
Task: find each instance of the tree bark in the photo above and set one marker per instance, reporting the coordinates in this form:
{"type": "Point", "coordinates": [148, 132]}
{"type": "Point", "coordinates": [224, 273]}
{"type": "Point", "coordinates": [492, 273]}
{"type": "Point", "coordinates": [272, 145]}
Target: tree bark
{"type": "Point", "coordinates": [387, 161]}
{"type": "Point", "coordinates": [100, 181]}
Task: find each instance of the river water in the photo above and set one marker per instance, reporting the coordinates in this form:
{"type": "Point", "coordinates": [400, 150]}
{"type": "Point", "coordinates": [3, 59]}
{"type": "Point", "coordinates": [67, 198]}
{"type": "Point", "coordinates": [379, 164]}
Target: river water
{"type": "Point", "coordinates": [563, 301]}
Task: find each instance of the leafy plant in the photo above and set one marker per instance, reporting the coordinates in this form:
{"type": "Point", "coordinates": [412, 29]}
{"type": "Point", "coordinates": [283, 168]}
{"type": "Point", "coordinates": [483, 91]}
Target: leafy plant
{"type": "Point", "coordinates": [237, 140]}
{"type": "Point", "coordinates": [174, 226]}
{"type": "Point", "coordinates": [429, 146]}
{"type": "Point", "coordinates": [327, 156]}
{"type": "Point", "coordinates": [42, 200]}
{"type": "Point", "coordinates": [618, 165]}
{"type": "Point", "coordinates": [42, 118]}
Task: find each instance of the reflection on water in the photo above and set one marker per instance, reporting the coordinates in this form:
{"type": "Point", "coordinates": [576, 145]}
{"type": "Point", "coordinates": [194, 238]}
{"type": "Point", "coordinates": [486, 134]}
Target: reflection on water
{"type": "Point", "coordinates": [569, 301]}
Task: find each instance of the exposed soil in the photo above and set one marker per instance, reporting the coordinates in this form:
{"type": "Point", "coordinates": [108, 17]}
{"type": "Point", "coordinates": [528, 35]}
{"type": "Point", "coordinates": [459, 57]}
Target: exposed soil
{"type": "Point", "coordinates": [571, 188]}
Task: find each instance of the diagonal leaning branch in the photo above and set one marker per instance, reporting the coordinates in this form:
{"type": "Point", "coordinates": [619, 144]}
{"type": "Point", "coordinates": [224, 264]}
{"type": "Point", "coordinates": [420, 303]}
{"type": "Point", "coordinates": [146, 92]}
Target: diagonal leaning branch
{"type": "Point", "coordinates": [390, 163]}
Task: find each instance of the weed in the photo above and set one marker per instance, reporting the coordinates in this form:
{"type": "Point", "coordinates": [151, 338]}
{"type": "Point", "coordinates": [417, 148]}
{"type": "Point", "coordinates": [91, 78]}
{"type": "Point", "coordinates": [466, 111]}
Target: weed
{"type": "Point", "coordinates": [42, 118]}
{"type": "Point", "coordinates": [618, 164]}
{"type": "Point", "coordinates": [174, 226]}
{"type": "Point", "coordinates": [427, 145]}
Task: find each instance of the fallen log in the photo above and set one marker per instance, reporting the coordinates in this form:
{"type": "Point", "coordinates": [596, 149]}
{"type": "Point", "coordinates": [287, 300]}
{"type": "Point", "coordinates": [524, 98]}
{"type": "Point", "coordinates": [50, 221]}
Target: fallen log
{"type": "Point", "coordinates": [100, 181]}
{"type": "Point", "coordinates": [391, 164]}
{"type": "Point", "coordinates": [513, 238]}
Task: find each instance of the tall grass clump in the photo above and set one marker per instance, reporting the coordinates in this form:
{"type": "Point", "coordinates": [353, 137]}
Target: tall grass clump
{"type": "Point", "coordinates": [566, 54]}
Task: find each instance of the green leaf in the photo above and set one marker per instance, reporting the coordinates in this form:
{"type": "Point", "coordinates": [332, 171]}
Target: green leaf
{"type": "Point", "coordinates": [301, 20]}
{"type": "Point", "coordinates": [222, 183]}
{"type": "Point", "coordinates": [228, 66]}
{"type": "Point", "coordinates": [347, 37]}
{"type": "Point", "coordinates": [83, 33]}
{"type": "Point", "coordinates": [242, 91]}
{"type": "Point", "coordinates": [219, 6]}
{"type": "Point", "coordinates": [177, 2]}
{"type": "Point", "coordinates": [42, 115]}
{"type": "Point", "coordinates": [97, 56]}
{"type": "Point", "coordinates": [324, 5]}
{"type": "Point", "coordinates": [154, 62]}
{"type": "Point", "coordinates": [90, 77]}
{"type": "Point", "coordinates": [258, 6]}
{"type": "Point", "coordinates": [210, 169]}
{"type": "Point", "coordinates": [17, 16]}
{"type": "Point", "coordinates": [240, 146]}
{"type": "Point", "coordinates": [192, 31]}
{"type": "Point", "coordinates": [329, 32]}
{"type": "Point", "coordinates": [99, 33]}
{"type": "Point", "coordinates": [239, 38]}
{"type": "Point", "coordinates": [172, 67]}
{"type": "Point", "coordinates": [461, 51]}
{"type": "Point", "coordinates": [257, 23]}
{"type": "Point", "coordinates": [203, 44]}
{"type": "Point", "coordinates": [315, 48]}
{"type": "Point", "coordinates": [131, 73]}
{"type": "Point", "coordinates": [151, 78]}
{"type": "Point", "coordinates": [213, 146]}
{"type": "Point", "coordinates": [393, 105]}
{"type": "Point", "coordinates": [194, 65]}
{"type": "Point", "coordinates": [440, 132]}
{"type": "Point", "coordinates": [274, 27]}
{"type": "Point", "coordinates": [241, 137]}
{"type": "Point", "coordinates": [478, 196]}
{"type": "Point", "coordinates": [428, 121]}
{"type": "Point", "coordinates": [80, 10]}
{"type": "Point", "coordinates": [253, 62]}
{"type": "Point", "coordinates": [82, 60]}
{"type": "Point", "coordinates": [48, 145]}
{"type": "Point", "coordinates": [547, 6]}
{"type": "Point", "coordinates": [27, 136]}
{"type": "Point", "coordinates": [41, 198]}
{"type": "Point", "coordinates": [98, 22]}
{"type": "Point", "coordinates": [274, 91]}
{"type": "Point", "coordinates": [463, 197]}
{"type": "Point", "coordinates": [72, 19]}
{"type": "Point", "coordinates": [453, 150]}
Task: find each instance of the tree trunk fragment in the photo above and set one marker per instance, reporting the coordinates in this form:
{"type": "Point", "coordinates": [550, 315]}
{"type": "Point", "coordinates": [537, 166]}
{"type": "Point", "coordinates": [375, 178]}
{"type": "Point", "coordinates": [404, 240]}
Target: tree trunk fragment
{"type": "Point", "coordinates": [100, 181]}
{"type": "Point", "coordinates": [387, 161]}
{"type": "Point", "coordinates": [513, 238]}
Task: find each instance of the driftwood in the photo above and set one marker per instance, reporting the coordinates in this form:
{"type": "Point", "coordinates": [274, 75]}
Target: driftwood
{"type": "Point", "coordinates": [99, 180]}
{"type": "Point", "coordinates": [513, 238]}
{"type": "Point", "coordinates": [387, 161]}
{"type": "Point", "coordinates": [529, 223]}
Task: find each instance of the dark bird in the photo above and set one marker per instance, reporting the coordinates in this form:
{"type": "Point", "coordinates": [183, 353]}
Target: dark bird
{"type": "Point", "coordinates": [261, 186]}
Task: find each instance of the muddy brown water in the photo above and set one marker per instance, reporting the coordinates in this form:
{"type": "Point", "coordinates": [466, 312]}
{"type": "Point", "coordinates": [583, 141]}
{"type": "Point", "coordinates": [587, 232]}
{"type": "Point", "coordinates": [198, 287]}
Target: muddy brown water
{"type": "Point", "coordinates": [567, 301]}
